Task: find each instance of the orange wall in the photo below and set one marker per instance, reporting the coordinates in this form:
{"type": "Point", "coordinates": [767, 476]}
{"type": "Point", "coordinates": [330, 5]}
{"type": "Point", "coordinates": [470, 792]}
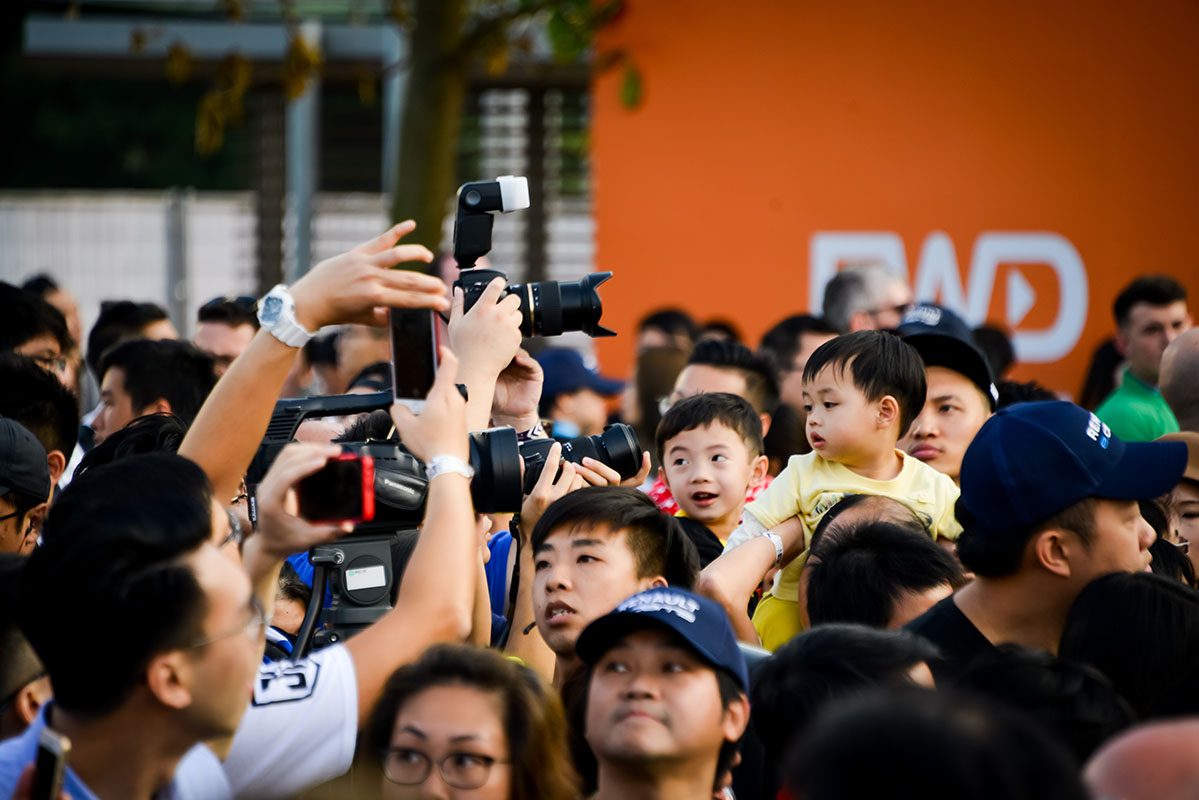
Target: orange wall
{"type": "Point", "coordinates": [764, 123]}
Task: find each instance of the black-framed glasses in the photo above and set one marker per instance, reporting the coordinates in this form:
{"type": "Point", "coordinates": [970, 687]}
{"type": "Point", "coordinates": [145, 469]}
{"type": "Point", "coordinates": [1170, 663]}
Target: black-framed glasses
{"type": "Point", "coordinates": [407, 766]}
{"type": "Point", "coordinates": [10, 516]}
{"type": "Point", "coordinates": [252, 628]}
{"type": "Point", "coordinates": [900, 309]}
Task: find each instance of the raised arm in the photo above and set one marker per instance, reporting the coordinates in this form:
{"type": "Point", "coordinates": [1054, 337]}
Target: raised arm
{"type": "Point", "coordinates": [732, 578]}
{"type": "Point", "coordinates": [357, 286]}
{"type": "Point", "coordinates": [436, 596]}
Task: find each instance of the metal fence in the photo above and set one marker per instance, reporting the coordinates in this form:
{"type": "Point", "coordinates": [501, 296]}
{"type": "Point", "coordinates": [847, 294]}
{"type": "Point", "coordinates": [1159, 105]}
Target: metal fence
{"type": "Point", "coordinates": [182, 248]}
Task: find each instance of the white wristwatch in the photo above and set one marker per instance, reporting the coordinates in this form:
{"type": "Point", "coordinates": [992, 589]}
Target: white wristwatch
{"type": "Point", "coordinates": [277, 315]}
{"type": "Point", "coordinates": [443, 465]}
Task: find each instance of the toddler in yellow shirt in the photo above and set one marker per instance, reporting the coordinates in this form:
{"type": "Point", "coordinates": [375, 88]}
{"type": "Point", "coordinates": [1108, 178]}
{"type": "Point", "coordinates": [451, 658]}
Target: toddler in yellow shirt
{"type": "Point", "coordinates": [861, 392]}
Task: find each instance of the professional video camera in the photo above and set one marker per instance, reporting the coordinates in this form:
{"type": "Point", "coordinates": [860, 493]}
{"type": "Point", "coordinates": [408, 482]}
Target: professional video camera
{"type": "Point", "coordinates": [547, 308]}
{"type": "Point", "coordinates": [358, 569]}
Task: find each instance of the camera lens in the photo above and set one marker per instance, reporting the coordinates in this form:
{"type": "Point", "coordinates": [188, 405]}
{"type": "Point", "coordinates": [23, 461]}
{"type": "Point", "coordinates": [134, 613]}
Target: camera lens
{"type": "Point", "coordinates": [495, 458]}
{"type": "Point", "coordinates": [550, 308]}
{"type": "Point", "coordinates": [617, 447]}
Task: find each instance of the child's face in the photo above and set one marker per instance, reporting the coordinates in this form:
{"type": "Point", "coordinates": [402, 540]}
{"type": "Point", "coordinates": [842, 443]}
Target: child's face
{"type": "Point", "coordinates": [708, 470]}
{"type": "Point", "coordinates": [842, 423]}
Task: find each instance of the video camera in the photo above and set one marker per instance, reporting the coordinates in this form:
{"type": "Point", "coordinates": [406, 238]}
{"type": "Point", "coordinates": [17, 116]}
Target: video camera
{"type": "Point", "coordinates": [357, 569]}
{"type": "Point", "coordinates": [548, 308]}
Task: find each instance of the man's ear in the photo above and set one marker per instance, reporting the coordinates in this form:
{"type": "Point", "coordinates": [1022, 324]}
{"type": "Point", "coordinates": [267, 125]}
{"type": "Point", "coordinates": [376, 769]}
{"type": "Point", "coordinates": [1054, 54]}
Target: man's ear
{"type": "Point", "coordinates": [736, 717]}
{"type": "Point", "coordinates": [168, 677]}
{"type": "Point", "coordinates": [29, 700]}
{"type": "Point", "coordinates": [1052, 550]}
{"type": "Point", "coordinates": [860, 321]}
{"type": "Point", "coordinates": [1121, 341]}
{"type": "Point", "coordinates": [159, 406]}
{"type": "Point", "coordinates": [656, 582]}
{"type": "Point", "coordinates": [758, 468]}
{"type": "Point", "coordinates": [57, 462]}
{"type": "Point", "coordinates": [888, 411]}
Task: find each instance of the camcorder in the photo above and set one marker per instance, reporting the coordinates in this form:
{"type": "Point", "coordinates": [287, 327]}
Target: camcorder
{"type": "Point", "coordinates": [357, 570]}
{"type": "Point", "coordinates": [547, 308]}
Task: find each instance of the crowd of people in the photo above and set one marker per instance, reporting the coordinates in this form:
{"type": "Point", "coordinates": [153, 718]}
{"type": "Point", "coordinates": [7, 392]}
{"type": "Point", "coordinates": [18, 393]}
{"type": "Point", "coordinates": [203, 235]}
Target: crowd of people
{"type": "Point", "coordinates": [856, 560]}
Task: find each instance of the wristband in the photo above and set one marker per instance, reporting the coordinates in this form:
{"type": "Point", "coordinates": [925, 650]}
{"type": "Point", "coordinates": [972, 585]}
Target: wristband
{"type": "Point", "coordinates": [536, 432]}
{"type": "Point", "coordinates": [445, 465]}
{"type": "Point", "coordinates": [777, 541]}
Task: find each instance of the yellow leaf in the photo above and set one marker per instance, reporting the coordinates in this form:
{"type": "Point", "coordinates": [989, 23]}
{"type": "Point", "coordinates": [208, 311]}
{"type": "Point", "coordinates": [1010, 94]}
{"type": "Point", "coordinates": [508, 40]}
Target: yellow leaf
{"type": "Point", "coordinates": [179, 64]}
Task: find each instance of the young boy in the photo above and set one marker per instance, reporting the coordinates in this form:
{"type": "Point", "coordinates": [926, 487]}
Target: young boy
{"type": "Point", "coordinates": [711, 451]}
{"type": "Point", "coordinates": [861, 392]}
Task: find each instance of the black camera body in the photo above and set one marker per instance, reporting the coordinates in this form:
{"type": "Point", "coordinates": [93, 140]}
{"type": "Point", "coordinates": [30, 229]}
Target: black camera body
{"type": "Point", "coordinates": [617, 447]}
{"type": "Point", "coordinates": [548, 308]}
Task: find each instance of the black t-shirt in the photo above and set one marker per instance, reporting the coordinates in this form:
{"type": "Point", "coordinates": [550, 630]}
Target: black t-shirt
{"type": "Point", "coordinates": [706, 542]}
{"type": "Point", "coordinates": [954, 635]}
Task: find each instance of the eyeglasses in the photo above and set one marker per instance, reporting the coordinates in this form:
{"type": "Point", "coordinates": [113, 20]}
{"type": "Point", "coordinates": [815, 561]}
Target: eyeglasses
{"type": "Point", "coordinates": [50, 363]}
{"type": "Point", "coordinates": [252, 628]}
{"type": "Point", "coordinates": [409, 767]}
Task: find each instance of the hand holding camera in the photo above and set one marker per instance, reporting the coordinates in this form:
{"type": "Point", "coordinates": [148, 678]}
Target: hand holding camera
{"type": "Point", "coordinates": [553, 483]}
{"type": "Point", "coordinates": [517, 392]}
{"type": "Point", "coordinates": [281, 531]}
{"type": "Point", "coordinates": [360, 285]}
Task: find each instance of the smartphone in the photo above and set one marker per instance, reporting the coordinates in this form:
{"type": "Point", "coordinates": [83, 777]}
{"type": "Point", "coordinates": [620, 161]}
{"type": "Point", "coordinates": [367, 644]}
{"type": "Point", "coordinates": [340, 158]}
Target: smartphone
{"type": "Point", "coordinates": [413, 356]}
{"type": "Point", "coordinates": [341, 491]}
{"type": "Point", "coordinates": [52, 750]}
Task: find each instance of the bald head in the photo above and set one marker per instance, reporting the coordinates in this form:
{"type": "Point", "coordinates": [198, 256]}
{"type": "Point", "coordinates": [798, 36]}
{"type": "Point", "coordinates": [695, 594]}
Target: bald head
{"type": "Point", "coordinates": [1179, 379]}
{"type": "Point", "coordinates": [1149, 762]}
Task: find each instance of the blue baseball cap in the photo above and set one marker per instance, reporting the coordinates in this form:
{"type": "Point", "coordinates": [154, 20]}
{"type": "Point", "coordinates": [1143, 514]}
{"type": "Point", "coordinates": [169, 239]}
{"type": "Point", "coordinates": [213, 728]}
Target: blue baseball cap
{"type": "Point", "coordinates": [1032, 460]}
{"type": "Point", "coordinates": [565, 373]}
{"type": "Point", "coordinates": [943, 339]}
{"type": "Point", "coordinates": [703, 624]}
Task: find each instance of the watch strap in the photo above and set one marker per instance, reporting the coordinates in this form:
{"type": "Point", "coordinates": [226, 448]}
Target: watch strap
{"type": "Point", "coordinates": [777, 541]}
{"type": "Point", "coordinates": [285, 327]}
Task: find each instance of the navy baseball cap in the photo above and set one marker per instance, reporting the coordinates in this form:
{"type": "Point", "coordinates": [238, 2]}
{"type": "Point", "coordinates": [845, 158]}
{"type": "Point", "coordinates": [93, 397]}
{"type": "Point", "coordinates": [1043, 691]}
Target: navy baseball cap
{"type": "Point", "coordinates": [23, 467]}
{"type": "Point", "coordinates": [566, 373]}
{"type": "Point", "coordinates": [943, 339]}
{"type": "Point", "coordinates": [1032, 460]}
{"type": "Point", "coordinates": [703, 624]}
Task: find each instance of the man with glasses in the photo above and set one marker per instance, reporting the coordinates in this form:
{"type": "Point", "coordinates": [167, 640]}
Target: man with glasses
{"type": "Point", "coordinates": [24, 486]}
{"type": "Point", "coordinates": [150, 637]}
{"type": "Point", "coordinates": [32, 327]}
{"type": "Point", "coordinates": [866, 297]}
{"type": "Point", "coordinates": [224, 328]}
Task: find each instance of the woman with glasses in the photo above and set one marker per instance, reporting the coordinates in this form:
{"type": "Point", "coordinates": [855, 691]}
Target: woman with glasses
{"type": "Point", "coordinates": [463, 722]}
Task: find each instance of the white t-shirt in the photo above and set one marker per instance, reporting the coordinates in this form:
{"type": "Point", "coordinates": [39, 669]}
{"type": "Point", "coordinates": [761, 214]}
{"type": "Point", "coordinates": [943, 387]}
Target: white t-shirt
{"type": "Point", "coordinates": [300, 729]}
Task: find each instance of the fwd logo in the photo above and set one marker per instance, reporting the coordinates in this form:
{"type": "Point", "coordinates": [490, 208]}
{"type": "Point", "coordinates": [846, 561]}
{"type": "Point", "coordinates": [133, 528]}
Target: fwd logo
{"type": "Point", "coordinates": [938, 278]}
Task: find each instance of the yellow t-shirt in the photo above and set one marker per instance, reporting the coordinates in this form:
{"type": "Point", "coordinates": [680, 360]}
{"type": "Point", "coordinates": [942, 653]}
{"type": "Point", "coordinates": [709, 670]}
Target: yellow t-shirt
{"type": "Point", "coordinates": [810, 485]}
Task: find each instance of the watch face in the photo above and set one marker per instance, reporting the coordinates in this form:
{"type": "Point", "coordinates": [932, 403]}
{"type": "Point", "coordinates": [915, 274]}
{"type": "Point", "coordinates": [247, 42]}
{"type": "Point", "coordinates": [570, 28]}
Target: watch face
{"type": "Point", "coordinates": [271, 308]}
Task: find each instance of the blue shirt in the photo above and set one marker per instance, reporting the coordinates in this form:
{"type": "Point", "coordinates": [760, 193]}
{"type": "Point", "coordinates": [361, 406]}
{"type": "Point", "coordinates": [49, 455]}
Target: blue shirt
{"type": "Point", "coordinates": [199, 774]}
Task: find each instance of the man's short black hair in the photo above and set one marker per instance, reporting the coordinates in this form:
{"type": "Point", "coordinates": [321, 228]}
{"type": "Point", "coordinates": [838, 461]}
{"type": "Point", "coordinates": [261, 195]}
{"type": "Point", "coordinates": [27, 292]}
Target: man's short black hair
{"type": "Point", "coordinates": [106, 590]}
{"type": "Point", "coordinates": [231, 311]}
{"type": "Point", "coordinates": [1012, 392]}
{"type": "Point", "coordinates": [702, 410]}
{"type": "Point", "coordinates": [38, 400]}
{"type": "Point", "coordinates": [860, 574]}
{"type": "Point", "coordinates": [994, 555]}
{"type": "Point", "coordinates": [782, 341]}
{"type": "Point", "coordinates": [880, 364]}
{"type": "Point", "coordinates": [153, 433]}
{"type": "Point", "coordinates": [41, 285]}
{"type": "Point", "coordinates": [673, 321]}
{"type": "Point", "coordinates": [176, 371]}
{"type": "Point", "coordinates": [119, 320]}
{"type": "Point", "coordinates": [996, 345]}
{"type": "Point", "coordinates": [25, 316]}
{"type": "Point", "coordinates": [822, 667]}
{"type": "Point", "coordinates": [1155, 290]}
{"type": "Point", "coordinates": [658, 544]}
{"type": "Point", "coordinates": [761, 383]}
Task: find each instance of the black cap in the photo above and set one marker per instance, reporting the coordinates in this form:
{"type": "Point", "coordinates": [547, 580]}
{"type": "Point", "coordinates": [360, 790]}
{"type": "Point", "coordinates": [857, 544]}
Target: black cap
{"type": "Point", "coordinates": [23, 467]}
{"type": "Point", "coordinates": [943, 339]}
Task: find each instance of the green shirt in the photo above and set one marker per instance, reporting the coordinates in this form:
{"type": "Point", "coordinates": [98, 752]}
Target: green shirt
{"type": "Point", "coordinates": [1136, 412]}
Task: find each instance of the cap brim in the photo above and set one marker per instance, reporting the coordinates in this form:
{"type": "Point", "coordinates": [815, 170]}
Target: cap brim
{"type": "Point", "coordinates": [950, 352]}
{"type": "Point", "coordinates": [1147, 469]}
{"type": "Point", "coordinates": [605, 387]}
{"type": "Point", "coordinates": [598, 637]}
